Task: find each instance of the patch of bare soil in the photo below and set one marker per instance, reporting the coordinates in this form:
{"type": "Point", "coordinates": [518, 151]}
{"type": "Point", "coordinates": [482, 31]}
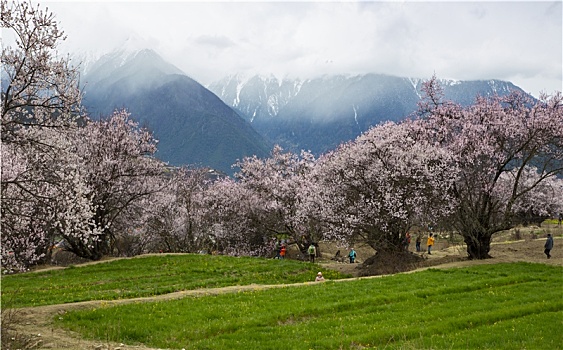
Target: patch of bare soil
{"type": "Point", "coordinates": [446, 255]}
{"type": "Point", "coordinates": [35, 324]}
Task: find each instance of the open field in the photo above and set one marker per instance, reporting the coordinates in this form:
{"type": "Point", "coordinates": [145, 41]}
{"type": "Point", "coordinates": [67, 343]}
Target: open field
{"type": "Point", "coordinates": [483, 305]}
{"type": "Point", "coordinates": [148, 276]}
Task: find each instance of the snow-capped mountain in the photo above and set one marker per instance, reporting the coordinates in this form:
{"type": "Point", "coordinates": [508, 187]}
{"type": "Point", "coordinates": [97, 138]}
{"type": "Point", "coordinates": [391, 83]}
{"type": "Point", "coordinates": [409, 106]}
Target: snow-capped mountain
{"type": "Point", "coordinates": [319, 114]}
{"type": "Point", "coordinates": [92, 60]}
{"type": "Point", "coordinates": [256, 97]}
{"type": "Point", "coordinates": [192, 124]}
{"type": "Point", "coordinates": [131, 71]}
{"type": "Point", "coordinates": [197, 126]}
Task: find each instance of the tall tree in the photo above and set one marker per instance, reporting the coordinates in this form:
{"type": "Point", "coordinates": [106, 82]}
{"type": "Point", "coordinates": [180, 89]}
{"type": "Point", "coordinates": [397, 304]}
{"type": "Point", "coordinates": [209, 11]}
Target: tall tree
{"type": "Point", "coordinates": [119, 170]}
{"type": "Point", "coordinates": [376, 187]}
{"type": "Point", "coordinates": [276, 183]}
{"type": "Point", "coordinates": [176, 215]}
{"type": "Point", "coordinates": [496, 140]}
{"type": "Point", "coordinates": [40, 104]}
{"type": "Point", "coordinates": [264, 201]}
{"type": "Point", "coordinates": [39, 88]}
{"type": "Point", "coordinates": [232, 223]}
{"type": "Point", "coordinates": [36, 202]}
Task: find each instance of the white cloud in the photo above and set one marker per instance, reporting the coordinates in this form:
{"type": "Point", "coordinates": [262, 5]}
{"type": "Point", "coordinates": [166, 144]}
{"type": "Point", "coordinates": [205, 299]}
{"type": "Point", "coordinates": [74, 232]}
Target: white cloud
{"type": "Point", "coordinates": [516, 41]}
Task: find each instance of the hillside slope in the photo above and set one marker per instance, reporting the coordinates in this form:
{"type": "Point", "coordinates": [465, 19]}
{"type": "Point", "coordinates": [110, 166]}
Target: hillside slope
{"type": "Point", "coordinates": [192, 125]}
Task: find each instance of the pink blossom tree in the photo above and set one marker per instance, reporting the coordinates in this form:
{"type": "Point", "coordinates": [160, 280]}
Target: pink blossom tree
{"type": "Point", "coordinates": [40, 89]}
{"type": "Point", "coordinates": [35, 207]}
{"type": "Point", "coordinates": [277, 183]}
{"type": "Point", "coordinates": [86, 193]}
{"type": "Point", "coordinates": [263, 202]}
{"type": "Point", "coordinates": [496, 140]}
{"type": "Point", "coordinates": [176, 214]}
{"type": "Point", "coordinates": [230, 219]}
{"type": "Point", "coordinates": [40, 104]}
{"type": "Point", "coordinates": [543, 201]}
{"type": "Point", "coordinates": [119, 171]}
{"type": "Point", "coordinates": [373, 189]}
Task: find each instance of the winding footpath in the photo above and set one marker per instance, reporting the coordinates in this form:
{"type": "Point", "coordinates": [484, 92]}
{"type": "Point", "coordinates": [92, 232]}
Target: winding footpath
{"type": "Point", "coordinates": [36, 322]}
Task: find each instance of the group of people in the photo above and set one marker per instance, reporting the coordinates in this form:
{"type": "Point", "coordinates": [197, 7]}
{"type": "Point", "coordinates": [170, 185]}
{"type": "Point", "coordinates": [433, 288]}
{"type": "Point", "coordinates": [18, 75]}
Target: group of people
{"type": "Point", "coordinates": [548, 246]}
{"type": "Point", "coordinates": [281, 248]}
{"type": "Point", "coordinates": [312, 250]}
{"type": "Point", "coordinates": [429, 242]}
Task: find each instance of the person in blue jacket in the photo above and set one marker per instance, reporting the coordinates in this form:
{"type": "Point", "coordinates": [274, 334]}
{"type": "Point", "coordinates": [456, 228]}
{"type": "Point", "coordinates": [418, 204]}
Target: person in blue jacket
{"type": "Point", "coordinates": [352, 256]}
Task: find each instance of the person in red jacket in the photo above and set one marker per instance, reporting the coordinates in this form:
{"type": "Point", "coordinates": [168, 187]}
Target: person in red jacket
{"type": "Point", "coordinates": [407, 241]}
{"type": "Point", "coordinates": [283, 251]}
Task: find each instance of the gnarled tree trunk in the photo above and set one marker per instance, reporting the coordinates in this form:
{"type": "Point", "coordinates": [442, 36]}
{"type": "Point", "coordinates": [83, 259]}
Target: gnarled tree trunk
{"type": "Point", "coordinates": [478, 245]}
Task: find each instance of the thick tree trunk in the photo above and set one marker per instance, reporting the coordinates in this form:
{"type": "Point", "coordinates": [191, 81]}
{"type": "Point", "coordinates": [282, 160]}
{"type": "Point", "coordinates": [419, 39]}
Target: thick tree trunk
{"type": "Point", "coordinates": [89, 250]}
{"type": "Point", "coordinates": [478, 245]}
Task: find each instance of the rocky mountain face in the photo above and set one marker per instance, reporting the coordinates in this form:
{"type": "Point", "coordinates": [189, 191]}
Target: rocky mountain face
{"type": "Point", "coordinates": [235, 117]}
{"type": "Point", "coordinates": [192, 124]}
{"type": "Point", "coordinates": [319, 114]}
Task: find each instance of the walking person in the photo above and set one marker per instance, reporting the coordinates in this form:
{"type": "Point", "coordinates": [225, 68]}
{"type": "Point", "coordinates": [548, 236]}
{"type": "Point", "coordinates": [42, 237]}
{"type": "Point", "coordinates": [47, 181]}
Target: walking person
{"type": "Point", "coordinates": [430, 243]}
{"type": "Point", "coordinates": [352, 256]}
{"type": "Point", "coordinates": [548, 245]}
{"type": "Point", "coordinates": [418, 241]}
{"type": "Point", "coordinates": [278, 249]}
{"type": "Point", "coordinates": [283, 250]}
{"type": "Point", "coordinates": [312, 252]}
{"type": "Point", "coordinates": [407, 241]}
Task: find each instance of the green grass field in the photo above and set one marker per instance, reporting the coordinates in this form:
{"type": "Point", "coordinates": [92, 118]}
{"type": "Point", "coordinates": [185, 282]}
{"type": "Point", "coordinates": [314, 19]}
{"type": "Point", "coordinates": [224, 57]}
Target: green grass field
{"type": "Point", "coordinates": [149, 276]}
{"type": "Point", "coordinates": [507, 306]}
{"type": "Point", "coordinates": [502, 306]}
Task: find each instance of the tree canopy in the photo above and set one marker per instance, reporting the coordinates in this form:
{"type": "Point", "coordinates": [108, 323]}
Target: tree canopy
{"type": "Point", "coordinates": [505, 147]}
{"type": "Point", "coordinates": [96, 186]}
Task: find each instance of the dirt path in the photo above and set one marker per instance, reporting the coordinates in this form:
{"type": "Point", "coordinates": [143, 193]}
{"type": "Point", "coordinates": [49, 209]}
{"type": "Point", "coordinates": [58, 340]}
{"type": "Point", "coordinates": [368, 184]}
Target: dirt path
{"type": "Point", "coordinates": [36, 323]}
{"type": "Point", "coordinates": [449, 256]}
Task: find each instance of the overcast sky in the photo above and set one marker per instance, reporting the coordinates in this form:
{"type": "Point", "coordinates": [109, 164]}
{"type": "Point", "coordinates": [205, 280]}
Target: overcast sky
{"type": "Point", "coordinates": [515, 41]}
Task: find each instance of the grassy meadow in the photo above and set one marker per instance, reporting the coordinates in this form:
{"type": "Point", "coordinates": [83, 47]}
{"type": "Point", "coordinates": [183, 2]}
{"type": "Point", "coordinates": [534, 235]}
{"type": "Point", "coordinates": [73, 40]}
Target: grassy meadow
{"type": "Point", "coordinates": [149, 276]}
{"type": "Point", "coordinates": [504, 306]}
{"type": "Point", "coordinates": [500, 306]}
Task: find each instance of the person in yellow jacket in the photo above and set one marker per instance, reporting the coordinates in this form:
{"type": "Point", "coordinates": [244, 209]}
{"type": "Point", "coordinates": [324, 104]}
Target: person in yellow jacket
{"type": "Point", "coordinates": [430, 243]}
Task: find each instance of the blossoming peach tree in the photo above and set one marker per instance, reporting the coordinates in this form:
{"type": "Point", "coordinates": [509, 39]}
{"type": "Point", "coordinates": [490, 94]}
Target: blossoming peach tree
{"type": "Point", "coordinates": [40, 104]}
{"type": "Point", "coordinates": [375, 188]}
{"type": "Point", "coordinates": [64, 176]}
{"type": "Point", "coordinates": [507, 148]}
{"type": "Point", "coordinates": [263, 202]}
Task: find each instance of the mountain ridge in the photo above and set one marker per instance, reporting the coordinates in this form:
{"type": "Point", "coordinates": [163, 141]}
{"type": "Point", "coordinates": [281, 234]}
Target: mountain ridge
{"type": "Point", "coordinates": [192, 125]}
{"type": "Point", "coordinates": [318, 114]}
{"type": "Point", "coordinates": [240, 116]}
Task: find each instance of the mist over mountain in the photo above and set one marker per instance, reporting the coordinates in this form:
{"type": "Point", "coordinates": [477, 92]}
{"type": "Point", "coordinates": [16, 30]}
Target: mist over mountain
{"type": "Point", "coordinates": [237, 117]}
{"type": "Point", "coordinates": [192, 125]}
{"type": "Point", "coordinates": [319, 114]}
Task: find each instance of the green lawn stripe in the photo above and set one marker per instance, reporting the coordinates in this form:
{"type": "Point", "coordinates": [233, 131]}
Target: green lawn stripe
{"type": "Point", "coordinates": [382, 312]}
